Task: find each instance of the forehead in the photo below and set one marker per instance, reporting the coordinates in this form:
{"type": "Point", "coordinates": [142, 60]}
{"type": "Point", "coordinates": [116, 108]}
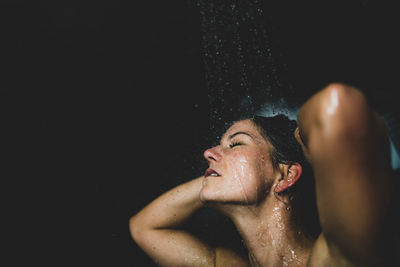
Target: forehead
{"type": "Point", "coordinates": [246, 126]}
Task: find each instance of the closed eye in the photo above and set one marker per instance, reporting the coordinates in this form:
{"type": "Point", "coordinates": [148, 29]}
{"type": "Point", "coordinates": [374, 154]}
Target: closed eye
{"type": "Point", "coordinates": [235, 144]}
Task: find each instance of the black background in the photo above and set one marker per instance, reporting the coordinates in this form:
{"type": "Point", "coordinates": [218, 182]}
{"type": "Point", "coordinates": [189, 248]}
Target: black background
{"type": "Point", "coordinates": [104, 106]}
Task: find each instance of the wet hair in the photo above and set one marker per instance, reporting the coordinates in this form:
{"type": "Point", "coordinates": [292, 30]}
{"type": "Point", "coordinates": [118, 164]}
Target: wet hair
{"type": "Point", "coordinates": [279, 131]}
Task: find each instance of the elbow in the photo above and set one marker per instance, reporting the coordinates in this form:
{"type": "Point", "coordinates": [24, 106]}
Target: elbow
{"type": "Point", "coordinates": [343, 109]}
{"type": "Point", "coordinates": [343, 100]}
{"type": "Point", "coordinates": [135, 228]}
{"type": "Point", "coordinates": [334, 109]}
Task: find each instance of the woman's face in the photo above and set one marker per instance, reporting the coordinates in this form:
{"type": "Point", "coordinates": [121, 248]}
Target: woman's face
{"type": "Point", "coordinates": [240, 169]}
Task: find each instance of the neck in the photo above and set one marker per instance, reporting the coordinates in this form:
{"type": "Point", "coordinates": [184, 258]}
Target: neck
{"type": "Point", "coordinates": [269, 234]}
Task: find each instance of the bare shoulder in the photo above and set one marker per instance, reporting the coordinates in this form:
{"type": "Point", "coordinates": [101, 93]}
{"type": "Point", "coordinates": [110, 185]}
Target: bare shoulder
{"type": "Point", "coordinates": [226, 257]}
{"type": "Point", "coordinates": [323, 256]}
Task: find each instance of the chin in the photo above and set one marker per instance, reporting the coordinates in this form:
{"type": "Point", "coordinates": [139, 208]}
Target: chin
{"type": "Point", "coordinates": [203, 197]}
{"type": "Point", "coordinates": [207, 195]}
{"type": "Point", "coordinates": [224, 193]}
{"type": "Point", "coordinates": [210, 197]}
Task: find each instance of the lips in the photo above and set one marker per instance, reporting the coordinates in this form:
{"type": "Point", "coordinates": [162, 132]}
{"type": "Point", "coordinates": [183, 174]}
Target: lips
{"type": "Point", "coordinates": [211, 172]}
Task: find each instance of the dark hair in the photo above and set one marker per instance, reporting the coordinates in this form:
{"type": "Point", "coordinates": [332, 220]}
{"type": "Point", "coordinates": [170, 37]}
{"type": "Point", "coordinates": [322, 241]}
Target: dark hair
{"type": "Point", "coordinates": [279, 131]}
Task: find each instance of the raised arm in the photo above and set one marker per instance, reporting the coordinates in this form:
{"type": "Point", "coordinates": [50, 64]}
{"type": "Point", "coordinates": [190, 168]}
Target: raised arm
{"type": "Point", "coordinates": [156, 230]}
{"type": "Point", "coordinates": [347, 145]}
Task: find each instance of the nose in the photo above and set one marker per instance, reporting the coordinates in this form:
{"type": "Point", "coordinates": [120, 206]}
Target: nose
{"type": "Point", "coordinates": [212, 154]}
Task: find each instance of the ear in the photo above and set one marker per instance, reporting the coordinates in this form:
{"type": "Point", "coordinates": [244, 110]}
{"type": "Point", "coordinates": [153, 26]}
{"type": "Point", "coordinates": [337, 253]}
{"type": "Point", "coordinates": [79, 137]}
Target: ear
{"type": "Point", "coordinates": [291, 174]}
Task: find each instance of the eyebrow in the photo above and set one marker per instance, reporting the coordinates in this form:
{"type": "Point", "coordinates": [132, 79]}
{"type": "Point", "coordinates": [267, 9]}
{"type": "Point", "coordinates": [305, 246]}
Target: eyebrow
{"type": "Point", "coordinates": [237, 133]}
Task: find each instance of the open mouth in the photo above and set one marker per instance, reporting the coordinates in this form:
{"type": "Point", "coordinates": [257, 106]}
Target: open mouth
{"type": "Point", "coordinates": [211, 172]}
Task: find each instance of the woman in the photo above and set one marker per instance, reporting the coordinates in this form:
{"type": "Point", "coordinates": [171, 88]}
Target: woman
{"type": "Point", "coordinates": [258, 177]}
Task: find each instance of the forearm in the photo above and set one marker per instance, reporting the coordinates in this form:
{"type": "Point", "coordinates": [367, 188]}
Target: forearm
{"type": "Point", "coordinates": [170, 209]}
{"type": "Point", "coordinates": [156, 228]}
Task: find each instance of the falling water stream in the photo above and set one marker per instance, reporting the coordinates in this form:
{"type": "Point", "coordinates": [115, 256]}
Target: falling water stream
{"type": "Point", "coordinates": [243, 69]}
{"type": "Point", "coordinates": [245, 72]}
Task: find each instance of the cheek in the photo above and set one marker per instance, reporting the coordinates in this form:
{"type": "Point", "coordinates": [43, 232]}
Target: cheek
{"type": "Point", "coordinates": [239, 166]}
{"type": "Point", "coordinates": [249, 173]}
{"type": "Point", "coordinates": [244, 180]}
{"type": "Point", "coordinates": [266, 169]}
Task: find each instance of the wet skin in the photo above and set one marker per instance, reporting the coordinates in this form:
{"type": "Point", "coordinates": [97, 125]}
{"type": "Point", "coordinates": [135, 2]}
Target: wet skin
{"type": "Point", "coordinates": [243, 165]}
{"type": "Point", "coordinates": [347, 146]}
